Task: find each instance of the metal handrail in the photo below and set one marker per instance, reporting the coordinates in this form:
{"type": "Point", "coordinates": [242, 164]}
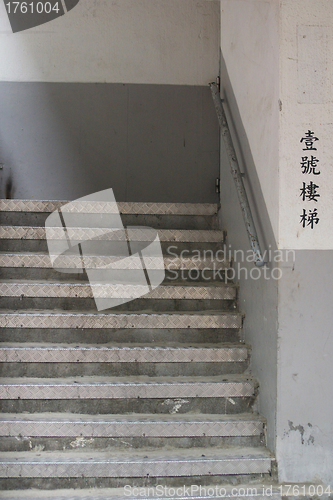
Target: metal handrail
{"type": "Point", "coordinates": [237, 176]}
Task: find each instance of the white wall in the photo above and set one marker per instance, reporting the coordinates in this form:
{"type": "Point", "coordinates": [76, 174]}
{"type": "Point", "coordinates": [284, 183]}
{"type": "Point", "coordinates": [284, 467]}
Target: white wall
{"type": "Point", "coordinates": [249, 41]}
{"type": "Point", "coordinates": [117, 41]}
{"type": "Point", "coordinates": [306, 75]}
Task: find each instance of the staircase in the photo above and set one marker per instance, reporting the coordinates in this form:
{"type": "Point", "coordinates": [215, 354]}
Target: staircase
{"type": "Point", "coordinates": [154, 392]}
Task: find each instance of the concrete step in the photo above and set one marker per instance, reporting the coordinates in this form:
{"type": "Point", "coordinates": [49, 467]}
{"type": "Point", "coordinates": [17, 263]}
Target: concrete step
{"type": "Point", "coordinates": [48, 360]}
{"type": "Point", "coordinates": [259, 491]}
{"type": "Point", "coordinates": [124, 208]}
{"type": "Point", "coordinates": [79, 296]}
{"type": "Point", "coordinates": [49, 289]}
{"type": "Point", "coordinates": [52, 432]}
{"type": "Point", "coordinates": [29, 238]}
{"type": "Point", "coordinates": [123, 353]}
{"type": "Point", "coordinates": [161, 221]}
{"type": "Point", "coordinates": [157, 215]}
{"type": "Point", "coordinates": [139, 394]}
{"type": "Point", "coordinates": [197, 261]}
{"type": "Point", "coordinates": [265, 490]}
{"type": "Point", "coordinates": [175, 425]}
{"type": "Point", "coordinates": [173, 463]}
{"type": "Point", "coordinates": [110, 320]}
{"type": "Point", "coordinates": [144, 387]}
{"type": "Point", "coordinates": [110, 234]}
{"type": "Point", "coordinates": [103, 336]}
{"type": "Point", "coordinates": [204, 266]}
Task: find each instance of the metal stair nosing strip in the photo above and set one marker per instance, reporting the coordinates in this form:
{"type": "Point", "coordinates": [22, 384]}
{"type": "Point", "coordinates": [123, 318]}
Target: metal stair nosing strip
{"type": "Point", "coordinates": [74, 290]}
{"type": "Point", "coordinates": [135, 426]}
{"type": "Point", "coordinates": [37, 260]}
{"type": "Point", "coordinates": [121, 354]}
{"type": "Point", "coordinates": [120, 320]}
{"type": "Point", "coordinates": [172, 464]}
{"type": "Point", "coordinates": [259, 491]}
{"type": "Point", "coordinates": [110, 234]}
{"type": "Point", "coordinates": [102, 388]}
{"type": "Point", "coordinates": [86, 207]}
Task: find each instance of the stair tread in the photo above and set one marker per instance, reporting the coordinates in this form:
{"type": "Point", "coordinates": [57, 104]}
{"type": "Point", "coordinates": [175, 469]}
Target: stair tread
{"type": "Point", "coordinates": [42, 260]}
{"type": "Point", "coordinates": [78, 283]}
{"type": "Point", "coordinates": [136, 380]}
{"type": "Point", "coordinates": [57, 319]}
{"type": "Point", "coordinates": [117, 353]}
{"type": "Point", "coordinates": [167, 291]}
{"type": "Point", "coordinates": [139, 417]}
{"type": "Point", "coordinates": [137, 234]}
{"type": "Point", "coordinates": [110, 313]}
{"type": "Point", "coordinates": [172, 462]}
{"type": "Point", "coordinates": [117, 346]}
{"type": "Point", "coordinates": [132, 455]}
{"type": "Point", "coordinates": [123, 207]}
{"type": "Point", "coordinates": [174, 425]}
{"type": "Point", "coordinates": [205, 492]}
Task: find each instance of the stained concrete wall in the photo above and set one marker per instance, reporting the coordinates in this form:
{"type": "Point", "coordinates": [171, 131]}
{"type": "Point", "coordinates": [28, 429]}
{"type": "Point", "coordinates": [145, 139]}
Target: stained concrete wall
{"type": "Point", "coordinates": [305, 369]}
{"type": "Point", "coordinates": [288, 321]}
{"type": "Point", "coordinates": [112, 94]}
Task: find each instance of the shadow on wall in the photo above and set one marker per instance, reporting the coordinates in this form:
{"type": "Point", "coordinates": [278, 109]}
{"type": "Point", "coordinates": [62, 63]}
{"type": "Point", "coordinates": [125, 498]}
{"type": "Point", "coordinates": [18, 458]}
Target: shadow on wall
{"type": "Point", "coordinates": [247, 165]}
{"type": "Point", "coordinates": [147, 142]}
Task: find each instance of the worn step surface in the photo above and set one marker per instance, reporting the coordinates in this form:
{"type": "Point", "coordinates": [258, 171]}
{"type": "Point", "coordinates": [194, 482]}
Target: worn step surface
{"type": "Point", "coordinates": [48, 206]}
{"type": "Point", "coordinates": [173, 463]}
{"type": "Point", "coordinates": [222, 394]}
{"type": "Point", "coordinates": [128, 388]}
{"type": "Point", "coordinates": [60, 432]}
{"type": "Point", "coordinates": [124, 360]}
{"type": "Point", "coordinates": [205, 266]}
{"type": "Point", "coordinates": [168, 297]}
{"type": "Point", "coordinates": [179, 291]}
{"type": "Point", "coordinates": [123, 353]}
{"type": "Point", "coordinates": [28, 238]}
{"type": "Point", "coordinates": [258, 491]}
{"type": "Point", "coordinates": [157, 215]}
{"type": "Point", "coordinates": [109, 234]}
{"type": "Point", "coordinates": [94, 320]}
{"type": "Point", "coordinates": [139, 425]}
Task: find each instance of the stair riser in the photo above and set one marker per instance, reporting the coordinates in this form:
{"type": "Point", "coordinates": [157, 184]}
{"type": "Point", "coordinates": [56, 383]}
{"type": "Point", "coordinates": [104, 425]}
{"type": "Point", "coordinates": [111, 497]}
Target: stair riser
{"type": "Point", "coordinates": [46, 370]}
{"type": "Point", "coordinates": [106, 335]}
{"type": "Point", "coordinates": [79, 304]}
{"type": "Point", "coordinates": [88, 443]}
{"type": "Point", "coordinates": [205, 222]}
{"type": "Point", "coordinates": [222, 406]}
{"type": "Point", "coordinates": [86, 482]}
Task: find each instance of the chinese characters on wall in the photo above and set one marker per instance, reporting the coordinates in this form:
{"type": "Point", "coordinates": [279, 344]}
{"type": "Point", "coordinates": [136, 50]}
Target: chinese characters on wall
{"type": "Point", "coordinates": [310, 192]}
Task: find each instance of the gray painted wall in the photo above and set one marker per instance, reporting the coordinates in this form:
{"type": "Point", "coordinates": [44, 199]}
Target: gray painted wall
{"type": "Point", "coordinates": [258, 295]}
{"type": "Point", "coordinates": [305, 369]}
{"type": "Point", "coordinates": [147, 142]}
